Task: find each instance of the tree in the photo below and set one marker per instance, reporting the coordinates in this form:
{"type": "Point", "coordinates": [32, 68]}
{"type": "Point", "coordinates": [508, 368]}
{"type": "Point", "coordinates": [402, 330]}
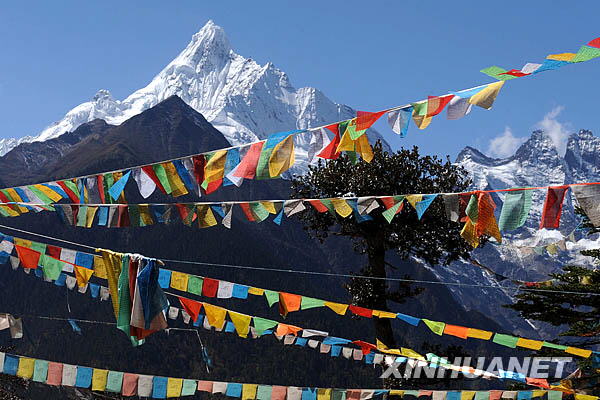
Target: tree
{"type": "Point", "coordinates": [571, 302]}
{"type": "Point", "coordinates": [434, 239]}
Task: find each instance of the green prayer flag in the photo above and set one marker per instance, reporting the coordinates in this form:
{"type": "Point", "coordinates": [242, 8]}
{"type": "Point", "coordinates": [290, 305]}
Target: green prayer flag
{"type": "Point", "coordinates": [52, 267]}
{"type": "Point", "coordinates": [435, 326]}
{"type": "Point", "coordinates": [390, 213]}
{"type": "Point", "coordinates": [108, 180]}
{"type": "Point", "coordinates": [495, 72]}
{"type": "Point", "coordinates": [420, 108]}
{"type": "Point", "coordinates": [554, 395]}
{"type": "Point", "coordinates": [40, 371]}
{"type": "Point", "coordinates": [555, 346]}
{"type": "Point", "coordinates": [263, 392]}
{"type": "Point", "coordinates": [327, 203]}
{"type": "Point", "coordinates": [114, 381]}
{"type": "Point", "coordinates": [39, 247]}
{"type": "Point", "coordinates": [262, 324]}
{"type": "Point", "coordinates": [161, 174]}
{"type": "Point", "coordinates": [411, 393]}
{"type": "Point", "coordinates": [354, 134]}
{"type": "Point", "coordinates": [586, 53]}
{"type": "Point", "coordinates": [472, 209]}
{"type": "Point", "coordinates": [134, 214]}
{"type": "Point", "coordinates": [338, 394]}
{"type": "Point", "coordinates": [309, 302]}
{"type": "Point", "coordinates": [482, 395]}
{"type": "Point", "coordinates": [505, 340]}
{"type": "Point", "coordinates": [195, 285]}
{"type": "Point", "coordinates": [82, 216]}
{"type": "Point", "coordinates": [259, 211]}
{"type": "Point", "coordinates": [272, 297]}
{"type": "Point", "coordinates": [71, 185]}
{"type": "Point", "coordinates": [42, 196]}
{"type": "Point", "coordinates": [124, 316]}
{"type": "Point", "coordinates": [515, 209]}
{"type": "Point", "coordinates": [189, 387]}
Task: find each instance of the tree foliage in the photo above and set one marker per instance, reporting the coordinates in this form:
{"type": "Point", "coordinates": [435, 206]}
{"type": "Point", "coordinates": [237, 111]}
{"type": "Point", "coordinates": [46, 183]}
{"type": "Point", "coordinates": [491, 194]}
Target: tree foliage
{"type": "Point", "coordinates": [434, 239]}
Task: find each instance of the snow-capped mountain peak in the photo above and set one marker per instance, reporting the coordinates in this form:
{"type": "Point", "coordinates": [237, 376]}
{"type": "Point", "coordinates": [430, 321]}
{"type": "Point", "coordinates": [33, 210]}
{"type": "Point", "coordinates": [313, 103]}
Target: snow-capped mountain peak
{"type": "Point", "coordinates": [246, 101]}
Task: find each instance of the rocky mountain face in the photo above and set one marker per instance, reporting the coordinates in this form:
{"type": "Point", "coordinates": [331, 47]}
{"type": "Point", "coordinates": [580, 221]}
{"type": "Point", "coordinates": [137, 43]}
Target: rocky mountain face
{"type": "Point", "coordinates": [535, 163]}
{"type": "Point", "coordinates": [244, 100]}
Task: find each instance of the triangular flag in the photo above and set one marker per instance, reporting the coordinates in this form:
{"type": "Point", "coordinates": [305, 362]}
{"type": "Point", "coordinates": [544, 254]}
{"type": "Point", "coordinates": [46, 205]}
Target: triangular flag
{"type": "Point", "coordinates": [192, 307]}
{"type": "Point", "coordinates": [241, 323]}
{"type": "Point", "coordinates": [83, 275]}
{"type": "Point", "coordinates": [487, 96]}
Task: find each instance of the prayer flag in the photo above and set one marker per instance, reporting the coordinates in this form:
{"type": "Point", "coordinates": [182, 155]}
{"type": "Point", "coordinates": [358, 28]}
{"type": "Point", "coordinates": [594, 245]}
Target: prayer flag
{"type": "Point", "coordinates": [588, 197]}
{"type": "Point", "coordinates": [282, 157]}
{"type": "Point", "coordinates": [553, 206]}
{"type": "Point", "coordinates": [192, 307]}
{"type": "Point", "coordinates": [174, 386]}
{"type": "Point", "coordinates": [486, 97]}
{"type": "Point", "coordinates": [399, 120]}
{"type": "Point", "coordinates": [241, 323]}
{"type": "Point", "coordinates": [318, 142]}
{"type": "Point", "coordinates": [505, 340]}
{"type": "Point", "coordinates": [330, 151]}
{"type": "Point", "coordinates": [516, 207]}
{"type": "Point", "coordinates": [288, 302]}
{"type": "Point", "coordinates": [435, 326]}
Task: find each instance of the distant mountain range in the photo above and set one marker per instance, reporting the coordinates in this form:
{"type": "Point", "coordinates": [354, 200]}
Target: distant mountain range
{"type": "Point", "coordinates": [242, 99]}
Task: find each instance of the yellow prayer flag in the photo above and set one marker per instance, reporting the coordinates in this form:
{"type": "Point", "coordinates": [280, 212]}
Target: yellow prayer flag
{"type": "Point", "coordinates": [15, 196]}
{"type": "Point", "coordinates": [25, 369]}
{"type": "Point", "coordinates": [177, 186]}
{"type": "Point", "coordinates": [10, 211]}
{"type": "Point", "coordinates": [99, 268]}
{"type": "Point", "coordinates": [48, 192]}
{"type": "Point", "coordinates": [579, 352]}
{"type": "Point", "coordinates": [89, 216]}
{"type": "Point", "coordinates": [530, 344]}
{"type": "Point", "coordinates": [487, 96]}
{"type": "Point", "coordinates": [538, 393]}
{"type": "Point", "coordinates": [174, 386]}
{"type": "Point", "coordinates": [215, 315]}
{"type": "Point", "coordinates": [206, 218]}
{"type": "Point", "coordinates": [179, 281]}
{"type": "Point", "coordinates": [241, 323]}
{"type": "Point", "coordinates": [215, 167]}
{"type": "Point", "coordinates": [479, 334]}
{"type": "Point", "coordinates": [585, 397]}
{"type": "Point", "coordinates": [346, 143]}
{"type": "Point", "coordinates": [83, 275]}
{"type": "Point", "coordinates": [411, 353]}
{"type": "Point", "coordinates": [337, 307]}
{"type": "Point", "coordinates": [282, 157]}
{"type": "Point", "coordinates": [256, 291]}
{"type": "Point", "coordinates": [323, 394]}
{"type": "Point", "coordinates": [112, 262]}
{"type": "Point", "coordinates": [269, 206]}
{"type": "Point", "coordinates": [469, 233]}
{"type": "Point", "coordinates": [341, 207]}
{"type": "Point", "coordinates": [145, 216]}
{"type": "Point", "coordinates": [397, 392]}
{"type": "Point", "coordinates": [249, 391]}
{"type": "Point", "coordinates": [422, 121]}
{"type": "Point", "coordinates": [467, 395]}
{"type": "Point", "coordinates": [561, 56]}
{"type": "Point", "coordinates": [384, 314]}
{"type": "Point", "coordinates": [363, 147]}
{"type": "Point", "coordinates": [413, 199]}
{"type": "Point", "coordinates": [99, 379]}
{"type": "Point", "coordinates": [23, 242]}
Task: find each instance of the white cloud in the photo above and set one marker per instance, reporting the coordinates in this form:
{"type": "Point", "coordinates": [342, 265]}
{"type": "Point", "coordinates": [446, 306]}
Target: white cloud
{"type": "Point", "coordinates": [505, 144]}
{"type": "Point", "coordinates": [558, 131]}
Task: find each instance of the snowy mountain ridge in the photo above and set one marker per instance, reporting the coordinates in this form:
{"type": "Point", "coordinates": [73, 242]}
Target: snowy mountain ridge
{"type": "Point", "coordinates": [242, 99]}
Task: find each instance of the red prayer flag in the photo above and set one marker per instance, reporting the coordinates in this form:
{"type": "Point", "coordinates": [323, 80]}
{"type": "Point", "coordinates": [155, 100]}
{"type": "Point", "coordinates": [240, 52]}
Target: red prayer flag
{"type": "Point", "coordinates": [330, 152]}
{"type": "Point", "coordinates": [435, 104]}
{"type": "Point", "coordinates": [210, 287]}
{"type": "Point", "coordinates": [496, 394]}
{"type": "Point", "coordinates": [214, 185]}
{"type": "Point", "coordinates": [199, 164]}
{"type": "Point", "coordinates": [184, 211]}
{"type": "Point", "coordinates": [364, 119]}
{"type": "Point", "coordinates": [74, 198]}
{"type": "Point", "coordinates": [247, 167]}
{"type": "Point", "coordinates": [192, 307]}
{"type": "Point", "coordinates": [595, 43]}
{"type": "Point", "coordinates": [150, 172]}
{"type": "Point", "coordinates": [29, 258]}
{"type": "Point", "coordinates": [363, 312]}
{"type": "Point", "coordinates": [353, 394]}
{"type": "Point", "coordinates": [388, 202]}
{"type": "Point", "coordinates": [365, 346]}
{"type": "Point", "coordinates": [515, 72]}
{"type": "Point", "coordinates": [246, 209]}
{"type": "Point", "coordinates": [100, 184]}
{"type": "Point", "coordinates": [553, 206]}
{"type": "Point", "coordinates": [130, 384]}
{"type": "Point", "coordinates": [123, 219]}
{"type": "Point", "coordinates": [318, 205]}
{"type": "Point", "coordinates": [53, 251]}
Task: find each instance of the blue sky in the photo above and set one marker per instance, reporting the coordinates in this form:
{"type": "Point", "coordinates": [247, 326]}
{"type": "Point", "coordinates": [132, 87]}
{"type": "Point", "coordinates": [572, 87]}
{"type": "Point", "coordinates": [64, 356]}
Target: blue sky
{"type": "Point", "coordinates": [370, 55]}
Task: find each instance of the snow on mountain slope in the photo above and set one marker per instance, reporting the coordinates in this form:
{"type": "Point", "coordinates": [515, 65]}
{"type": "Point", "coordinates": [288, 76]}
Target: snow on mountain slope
{"type": "Point", "coordinates": [244, 100]}
{"type": "Point", "coordinates": [536, 163]}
